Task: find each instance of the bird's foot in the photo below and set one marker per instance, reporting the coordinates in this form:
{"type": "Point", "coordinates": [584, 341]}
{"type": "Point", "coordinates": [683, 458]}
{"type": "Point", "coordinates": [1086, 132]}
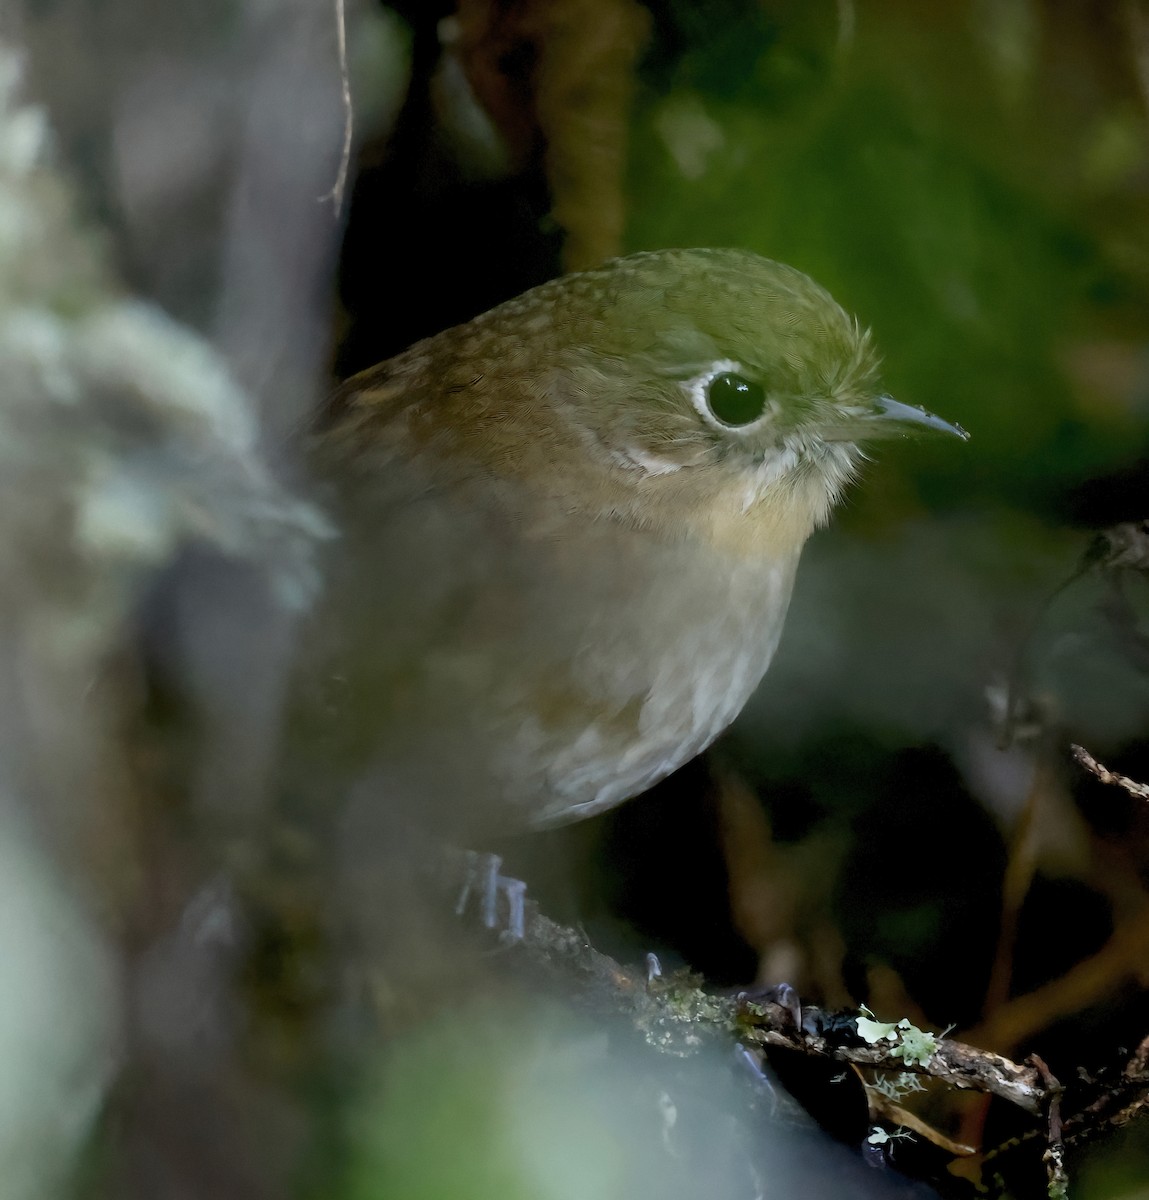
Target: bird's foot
{"type": "Point", "coordinates": [484, 879]}
{"type": "Point", "coordinates": [784, 995]}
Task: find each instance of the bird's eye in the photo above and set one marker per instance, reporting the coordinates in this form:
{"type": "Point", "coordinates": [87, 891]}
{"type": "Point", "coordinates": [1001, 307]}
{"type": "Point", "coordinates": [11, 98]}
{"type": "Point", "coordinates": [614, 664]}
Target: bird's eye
{"type": "Point", "coordinates": [734, 399]}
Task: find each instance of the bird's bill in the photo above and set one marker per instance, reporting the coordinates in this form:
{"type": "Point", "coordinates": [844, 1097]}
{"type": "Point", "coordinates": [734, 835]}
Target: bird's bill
{"type": "Point", "coordinates": [884, 417]}
{"type": "Point", "coordinates": [890, 416]}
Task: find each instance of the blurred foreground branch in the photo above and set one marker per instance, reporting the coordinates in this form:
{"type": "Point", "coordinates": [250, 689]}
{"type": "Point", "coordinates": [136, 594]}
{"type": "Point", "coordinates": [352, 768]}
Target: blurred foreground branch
{"type": "Point", "coordinates": [126, 449]}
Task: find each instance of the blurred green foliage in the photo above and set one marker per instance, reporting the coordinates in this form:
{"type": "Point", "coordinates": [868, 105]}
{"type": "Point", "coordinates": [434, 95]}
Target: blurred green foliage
{"type": "Point", "coordinates": [969, 178]}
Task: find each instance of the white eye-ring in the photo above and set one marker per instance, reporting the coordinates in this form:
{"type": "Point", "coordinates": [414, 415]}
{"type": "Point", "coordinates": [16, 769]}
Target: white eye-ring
{"type": "Point", "coordinates": [725, 397]}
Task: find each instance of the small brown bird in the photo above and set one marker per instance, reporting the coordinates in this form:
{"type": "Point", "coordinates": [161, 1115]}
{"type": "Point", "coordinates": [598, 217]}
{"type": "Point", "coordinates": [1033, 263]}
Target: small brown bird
{"type": "Point", "coordinates": [570, 529]}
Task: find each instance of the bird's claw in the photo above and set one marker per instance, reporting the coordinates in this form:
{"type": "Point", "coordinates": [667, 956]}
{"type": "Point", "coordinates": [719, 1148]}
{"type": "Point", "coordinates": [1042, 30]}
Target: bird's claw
{"type": "Point", "coordinates": [484, 874]}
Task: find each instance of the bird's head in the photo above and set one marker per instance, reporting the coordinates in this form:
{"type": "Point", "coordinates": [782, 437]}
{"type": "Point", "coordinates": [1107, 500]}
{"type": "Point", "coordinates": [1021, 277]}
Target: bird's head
{"type": "Point", "coordinates": [706, 390]}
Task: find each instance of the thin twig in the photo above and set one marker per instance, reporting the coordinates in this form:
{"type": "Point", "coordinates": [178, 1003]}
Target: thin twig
{"type": "Point", "coordinates": [1054, 1156]}
{"type": "Point", "coordinates": [340, 185]}
{"type": "Point", "coordinates": [1140, 790]}
{"type": "Point", "coordinates": [1137, 22]}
